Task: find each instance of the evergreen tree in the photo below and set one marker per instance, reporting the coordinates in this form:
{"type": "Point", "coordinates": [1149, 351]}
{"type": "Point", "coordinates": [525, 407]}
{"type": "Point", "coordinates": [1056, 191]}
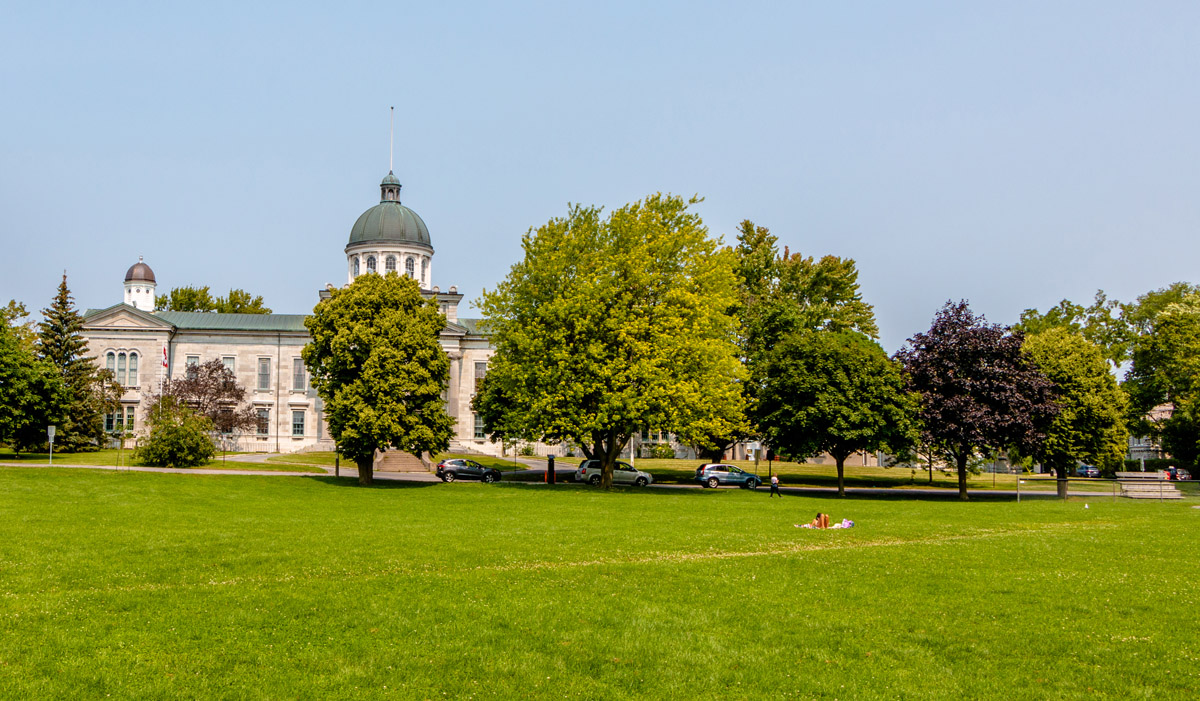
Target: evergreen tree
{"type": "Point", "coordinates": [62, 346]}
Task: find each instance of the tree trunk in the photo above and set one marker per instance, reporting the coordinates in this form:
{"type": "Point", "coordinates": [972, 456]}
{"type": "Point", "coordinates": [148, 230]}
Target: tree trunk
{"type": "Point", "coordinates": [1061, 472]}
{"type": "Point", "coordinates": [930, 463]}
{"type": "Point", "coordinates": [841, 463]}
{"type": "Point", "coordinates": [962, 476]}
{"type": "Point", "coordinates": [365, 470]}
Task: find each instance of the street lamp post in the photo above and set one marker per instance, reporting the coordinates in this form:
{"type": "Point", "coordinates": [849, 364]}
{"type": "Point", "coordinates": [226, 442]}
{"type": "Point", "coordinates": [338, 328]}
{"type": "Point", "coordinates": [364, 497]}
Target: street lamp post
{"type": "Point", "coordinates": [50, 432]}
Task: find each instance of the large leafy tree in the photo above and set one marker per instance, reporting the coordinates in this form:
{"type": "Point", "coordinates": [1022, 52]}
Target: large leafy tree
{"type": "Point", "coordinates": [612, 323]}
{"type": "Point", "coordinates": [1090, 425]}
{"type": "Point", "coordinates": [1104, 323]}
{"type": "Point", "coordinates": [783, 294]}
{"type": "Point", "coordinates": [1166, 371]}
{"type": "Point", "coordinates": [32, 392]}
{"type": "Point", "coordinates": [200, 299]}
{"type": "Point", "coordinates": [61, 344]}
{"type": "Point", "coordinates": [978, 391]}
{"type": "Point", "coordinates": [178, 436]}
{"type": "Point", "coordinates": [835, 392]}
{"type": "Point", "coordinates": [376, 361]}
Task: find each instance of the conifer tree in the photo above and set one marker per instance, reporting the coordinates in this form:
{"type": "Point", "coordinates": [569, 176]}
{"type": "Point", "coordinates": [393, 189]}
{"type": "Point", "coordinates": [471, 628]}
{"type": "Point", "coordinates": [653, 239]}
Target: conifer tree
{"type": "Point", "coordinates": [61, 344]}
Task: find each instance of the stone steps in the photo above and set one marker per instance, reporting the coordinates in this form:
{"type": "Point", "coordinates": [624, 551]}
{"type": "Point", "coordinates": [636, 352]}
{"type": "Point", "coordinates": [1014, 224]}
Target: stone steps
{"type": "Point", "coordinates": [400, 461]}
{"type": "Point", "coordinates": [1150, 490]}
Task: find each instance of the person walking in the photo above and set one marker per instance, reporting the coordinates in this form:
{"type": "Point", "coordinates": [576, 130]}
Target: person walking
{"type": "Point", "coordinates": [775, 487]}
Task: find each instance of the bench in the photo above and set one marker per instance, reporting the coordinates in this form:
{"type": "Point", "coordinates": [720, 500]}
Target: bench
{"type": "Point", "coordinates": [1150, 489]}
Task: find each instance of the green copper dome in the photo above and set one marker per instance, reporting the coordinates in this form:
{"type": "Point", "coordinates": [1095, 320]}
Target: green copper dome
{"type": "Point", "coordinates": [389, 221]}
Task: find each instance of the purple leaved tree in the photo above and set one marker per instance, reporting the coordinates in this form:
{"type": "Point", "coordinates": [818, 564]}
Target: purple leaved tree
{"type": "Point", "coordinates": [977, 390]}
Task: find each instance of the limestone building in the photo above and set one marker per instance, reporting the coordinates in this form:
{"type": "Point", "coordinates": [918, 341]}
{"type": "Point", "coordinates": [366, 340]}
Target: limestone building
{"type": "Point", "coordinates": [143, 346]}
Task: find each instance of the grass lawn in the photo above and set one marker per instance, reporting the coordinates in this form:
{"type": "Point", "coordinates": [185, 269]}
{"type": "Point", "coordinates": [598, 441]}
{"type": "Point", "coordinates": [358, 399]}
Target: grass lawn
{"type": "Point", "coordinates": [166, 585]}
{"type": "Point", "coordinates": [111, 458]}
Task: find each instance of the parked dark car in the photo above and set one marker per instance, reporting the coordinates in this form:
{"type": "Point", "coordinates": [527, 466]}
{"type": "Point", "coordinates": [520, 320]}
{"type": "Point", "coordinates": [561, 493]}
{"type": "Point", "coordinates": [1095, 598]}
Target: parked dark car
{"type": "Point", "coordinates": [463, 469]}
{"type": "Point", "coordinates": [1087, 471]}
{"type": "Point", "coordinates": [713, 475]}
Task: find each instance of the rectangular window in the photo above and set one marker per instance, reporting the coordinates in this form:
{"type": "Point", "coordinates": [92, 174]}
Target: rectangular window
{"type": "Point", "coordinates": [133, 370]}
{"type": "Point", "coordinates": [227, 361]}
{"type": "Point", "coordinates": [110, 423]}
{"type": "Point", "coordinates": [298, 423]}
{"type": "Point", "coordinates": [264, 421]}
{"type": "Point", "coordinates": [480, 373]}
{"type": "Point", "coordinates": [480, 431]}
{"type": "Point", "coordinates": [129, 412]}
{"type": "Point", "coordinates": [264, 373]}
{"type": "Point", "coordinates": [192, 363]}
{"type": "Point", "coordinates": [298, 377]}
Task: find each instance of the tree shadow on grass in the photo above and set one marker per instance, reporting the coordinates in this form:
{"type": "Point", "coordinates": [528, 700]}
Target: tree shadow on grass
{"type": "Point", "coordinates": [352, 481]}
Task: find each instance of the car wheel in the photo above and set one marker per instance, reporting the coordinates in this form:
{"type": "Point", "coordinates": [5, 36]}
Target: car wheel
{"type": "Point", "coordinates": [713, 482]}
{"type": "Point", "coordinates": [752, 484]}
{"type": "Point", "coordinates": [449, 477]}
{"type": "Point", "coordinates": [489, 477]}
{"type": "Point", "coordinates": [641, 482]}
{"type": "Point", "coordinates": [595, 479]}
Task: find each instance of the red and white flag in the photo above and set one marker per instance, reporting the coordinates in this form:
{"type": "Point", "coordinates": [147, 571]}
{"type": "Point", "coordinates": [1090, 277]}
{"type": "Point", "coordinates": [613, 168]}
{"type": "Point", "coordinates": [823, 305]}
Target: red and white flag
{"type": "Point", "coordinates": [164, 356]}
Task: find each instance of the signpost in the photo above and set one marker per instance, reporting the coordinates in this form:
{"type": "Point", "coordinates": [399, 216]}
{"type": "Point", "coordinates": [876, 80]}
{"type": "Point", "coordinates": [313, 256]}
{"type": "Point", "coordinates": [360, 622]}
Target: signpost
{"type": "Point", "coordinates": [50, 433]}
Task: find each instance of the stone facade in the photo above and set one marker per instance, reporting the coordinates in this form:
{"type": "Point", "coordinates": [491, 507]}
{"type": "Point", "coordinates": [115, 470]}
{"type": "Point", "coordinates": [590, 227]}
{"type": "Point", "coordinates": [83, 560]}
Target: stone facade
{"type": "Point", "coordinates": [145, 347]}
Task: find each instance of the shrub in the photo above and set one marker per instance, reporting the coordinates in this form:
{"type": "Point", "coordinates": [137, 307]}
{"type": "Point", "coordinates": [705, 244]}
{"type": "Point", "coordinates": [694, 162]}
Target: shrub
{"type": "Point", "coordinates": [526, 450]}
{"type": "Point", "coordinates": [1154, 464]}
{"type": "Point", "coordinates": [178, 437]}
{"type": "Point", "coordinates": [662, 452]}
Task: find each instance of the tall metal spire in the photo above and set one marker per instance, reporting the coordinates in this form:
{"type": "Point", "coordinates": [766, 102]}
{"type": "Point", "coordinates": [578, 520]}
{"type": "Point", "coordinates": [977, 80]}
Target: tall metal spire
{"type": "Point", "coordinates": [391, 136]}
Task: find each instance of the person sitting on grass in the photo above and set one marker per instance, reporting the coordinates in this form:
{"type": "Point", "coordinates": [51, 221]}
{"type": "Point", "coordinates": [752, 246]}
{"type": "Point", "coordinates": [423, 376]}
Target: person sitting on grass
{"type": "Point", "coordinates": [822, 522]}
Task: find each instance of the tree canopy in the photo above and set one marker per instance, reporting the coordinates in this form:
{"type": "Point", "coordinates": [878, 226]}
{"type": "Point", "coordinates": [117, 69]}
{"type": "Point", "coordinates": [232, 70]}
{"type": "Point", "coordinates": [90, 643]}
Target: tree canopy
{"type": "Point", "coordinates": [1166, 371]}
{"type": "Point", "coordinates": [835, 392]}
{"type": "Point", "coordinates": [32, 392]}
{"type": "Point", "coordinates": [61, 344]}
{"type": "Point", "coordinates": [376, 362]}
{"type": "Point", "coordinates": [1090, 425]}
{"type": "Point", "coordinates": [1104, 323]}
{"type": "Point", "coordinates": [977, 389]}
{"type": "Point", "coordinates": [200, 299]}
{"type": "Point", "coordinates": [611, 323]}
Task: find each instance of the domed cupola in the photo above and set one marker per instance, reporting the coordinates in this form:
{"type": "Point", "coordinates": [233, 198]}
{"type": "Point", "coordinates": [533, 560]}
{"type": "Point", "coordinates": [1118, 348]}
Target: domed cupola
{"type": "Point", "coordinates": [139, 286]}
{"type": "Point", "coordinates": [390, 237]}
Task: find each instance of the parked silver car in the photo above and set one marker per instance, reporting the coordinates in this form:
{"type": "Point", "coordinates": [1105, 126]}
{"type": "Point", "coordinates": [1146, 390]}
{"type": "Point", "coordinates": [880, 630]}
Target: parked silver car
{"type": "Point", "coordinates": [623, 473]}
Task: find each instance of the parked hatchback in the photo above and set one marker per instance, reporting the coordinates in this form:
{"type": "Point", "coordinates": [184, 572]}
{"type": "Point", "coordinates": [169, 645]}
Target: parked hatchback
{"type": "Point", "coordinates": [623, 473]}
{"type": "Point", "coordinates": [463, 469]}
{"type": "Point", "coordinates": [1087, 471]}
{"type": "Point", "coordinates": [713, 475]}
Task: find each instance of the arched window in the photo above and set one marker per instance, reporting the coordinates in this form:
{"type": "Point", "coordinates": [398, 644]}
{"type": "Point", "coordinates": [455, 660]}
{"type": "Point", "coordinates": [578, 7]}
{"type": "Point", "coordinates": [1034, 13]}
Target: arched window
{"type": "Point", "coordinates": [370, 264]}
{"type": "Point", "coordinates": [409, 268]}
{"type": "Point", "coordinates": [133, 370]}
{"type": "Point", "coordinates": [424, 268]}
{"type": "Point", "coordinates": [121, 368]}
{"type": "Point", "coordinates": [390, 264]}
{"type": "Point", "coordinates": [110, 362]}
{"type": "Point", "coordinates": [355, 266]}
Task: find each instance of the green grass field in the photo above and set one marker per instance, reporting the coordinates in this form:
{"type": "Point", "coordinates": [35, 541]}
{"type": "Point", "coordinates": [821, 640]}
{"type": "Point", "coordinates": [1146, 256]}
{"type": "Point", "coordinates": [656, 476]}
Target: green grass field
{"type": "Point", "coordinates": [114, 458]}
{"type": "Point", "coordinates": [168, 585]}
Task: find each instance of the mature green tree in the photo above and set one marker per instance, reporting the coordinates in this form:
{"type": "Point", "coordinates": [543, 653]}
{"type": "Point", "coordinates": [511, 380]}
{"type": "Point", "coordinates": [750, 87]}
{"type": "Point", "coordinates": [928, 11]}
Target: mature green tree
{"type": "Point", "coordinates": [1103, 323]}
{"type": "Point", "coordinates": [200, 299]}
{"type": "Point", "coordinates": [835, 392]}
{"type": "Point", "coordinates": [376, 361]}
{"type": "Point", "coordinates": [977, 389]}
{"type": "Point", "coordinates": [612, 323]}
{"type": "Point", "coordinates": [178, 436]}
{"type": "Point", "coordinates": [240, 302]}
{"type": "Point", "coordinates": [1142, 313]}
{"type": "Point", "coordinates": [1090, 425]}
{"type": "Point", "coordinates": [186, 299]}
{"type": "Point", "coordinates": [16, 317]}
{"type": "Point", "coordinates": [32, 392]}
{"type": "Point", "coordinates": [1166, 371]}
{"type": "Point", "coordinates": [61, 343]}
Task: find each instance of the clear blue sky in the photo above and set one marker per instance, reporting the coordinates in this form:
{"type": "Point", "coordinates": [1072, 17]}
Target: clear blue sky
{"type": "Point", "coordinates": [1008, 153]}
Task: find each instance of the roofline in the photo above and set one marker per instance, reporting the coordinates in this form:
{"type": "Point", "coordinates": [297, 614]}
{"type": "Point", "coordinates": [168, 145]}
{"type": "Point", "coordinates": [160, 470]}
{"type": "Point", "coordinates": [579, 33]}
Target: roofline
{"type": "Point", "coordinates": [98, 313]}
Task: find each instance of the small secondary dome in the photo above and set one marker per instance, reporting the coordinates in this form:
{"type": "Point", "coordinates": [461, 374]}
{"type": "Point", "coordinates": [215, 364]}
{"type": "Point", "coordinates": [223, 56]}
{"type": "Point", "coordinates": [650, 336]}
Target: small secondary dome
{"type": "Point", "coordinates": [139, 272]}
{"type": "Point", "coordinates": [389, 221]}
